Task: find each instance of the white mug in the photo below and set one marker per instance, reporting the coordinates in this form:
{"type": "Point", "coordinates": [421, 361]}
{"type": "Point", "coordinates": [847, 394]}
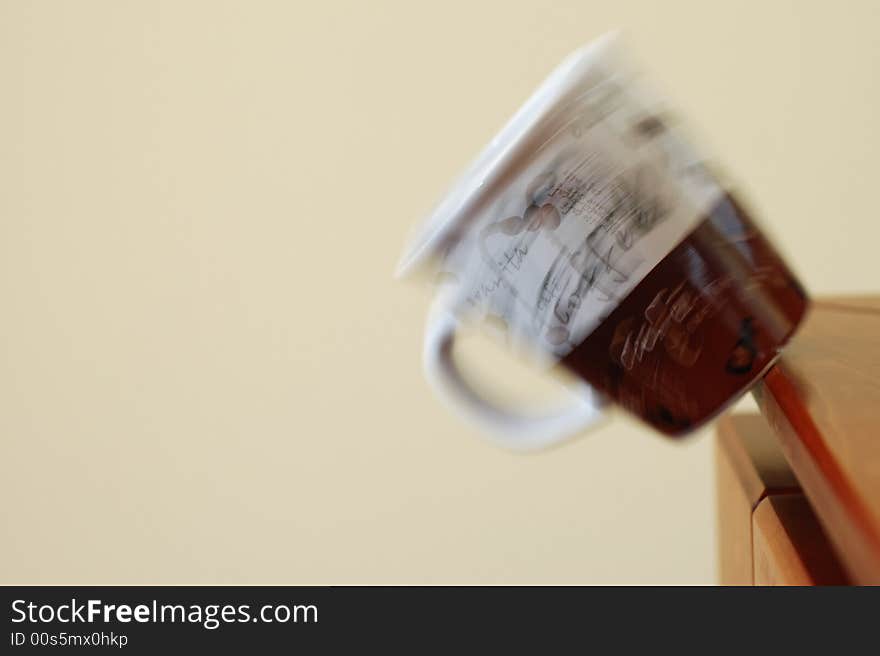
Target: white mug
{"type": "Point", "coordinates": [589, 233]}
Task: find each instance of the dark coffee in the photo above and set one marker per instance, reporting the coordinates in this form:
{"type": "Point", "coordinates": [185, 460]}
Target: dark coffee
{"type": "Point", "coordinates": [699, 329]}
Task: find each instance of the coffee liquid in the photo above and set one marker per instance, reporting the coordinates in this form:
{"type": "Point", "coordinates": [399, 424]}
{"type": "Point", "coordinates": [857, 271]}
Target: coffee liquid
{"type": "Point", "coordinates": [699, 329]}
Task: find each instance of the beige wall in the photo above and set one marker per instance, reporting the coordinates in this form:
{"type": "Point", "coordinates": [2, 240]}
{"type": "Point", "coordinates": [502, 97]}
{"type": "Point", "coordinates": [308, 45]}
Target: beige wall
{"type": "Point", "coordinates": [207, 372]}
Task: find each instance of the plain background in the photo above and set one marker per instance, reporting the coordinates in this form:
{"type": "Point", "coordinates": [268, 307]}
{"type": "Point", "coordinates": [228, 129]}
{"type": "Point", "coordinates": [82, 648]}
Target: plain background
{"type": "Point", "coordinates": [207, 372]}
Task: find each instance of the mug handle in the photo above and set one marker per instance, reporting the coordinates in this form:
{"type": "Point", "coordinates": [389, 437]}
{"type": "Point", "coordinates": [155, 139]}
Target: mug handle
{"type": "Point", "coordinates": [507, 427]}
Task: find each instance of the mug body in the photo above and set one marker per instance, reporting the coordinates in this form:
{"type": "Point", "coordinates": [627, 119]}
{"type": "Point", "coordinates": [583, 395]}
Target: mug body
{"type": "Point", "coordinates": [591, 235]}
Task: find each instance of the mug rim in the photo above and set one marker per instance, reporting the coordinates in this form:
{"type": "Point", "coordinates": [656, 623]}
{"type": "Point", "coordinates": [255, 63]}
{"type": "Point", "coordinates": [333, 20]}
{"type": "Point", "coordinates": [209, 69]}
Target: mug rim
{"type": "Point", "coordinates": [496, 158]}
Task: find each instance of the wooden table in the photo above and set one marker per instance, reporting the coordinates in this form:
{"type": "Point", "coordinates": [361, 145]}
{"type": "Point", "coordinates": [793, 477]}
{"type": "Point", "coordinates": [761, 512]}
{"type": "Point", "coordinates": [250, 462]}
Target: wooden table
{"type": "Point", "coordinates": [799, 484]}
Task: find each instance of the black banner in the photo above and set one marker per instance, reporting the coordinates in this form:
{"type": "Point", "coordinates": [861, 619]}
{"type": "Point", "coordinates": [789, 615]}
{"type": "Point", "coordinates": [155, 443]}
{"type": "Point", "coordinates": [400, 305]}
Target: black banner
{"type": "Point", "coordinates": [136, 620]}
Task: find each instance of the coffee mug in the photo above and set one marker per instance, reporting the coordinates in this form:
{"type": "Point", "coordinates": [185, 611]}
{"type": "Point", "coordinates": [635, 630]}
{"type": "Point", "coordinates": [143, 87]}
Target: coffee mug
{"type": "Point", "coordinates": [590, 234]}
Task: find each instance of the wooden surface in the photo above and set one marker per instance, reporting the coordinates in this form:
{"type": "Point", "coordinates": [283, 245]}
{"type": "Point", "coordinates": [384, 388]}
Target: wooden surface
{"type": "Point", "coordinates": [849, 303]}
{"type": "Point", "coordinates": [822, 401]}
{"type": "Point", "coordinates": [789, 546]}
{"type": "Point", "coordinates": [749, 465]}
